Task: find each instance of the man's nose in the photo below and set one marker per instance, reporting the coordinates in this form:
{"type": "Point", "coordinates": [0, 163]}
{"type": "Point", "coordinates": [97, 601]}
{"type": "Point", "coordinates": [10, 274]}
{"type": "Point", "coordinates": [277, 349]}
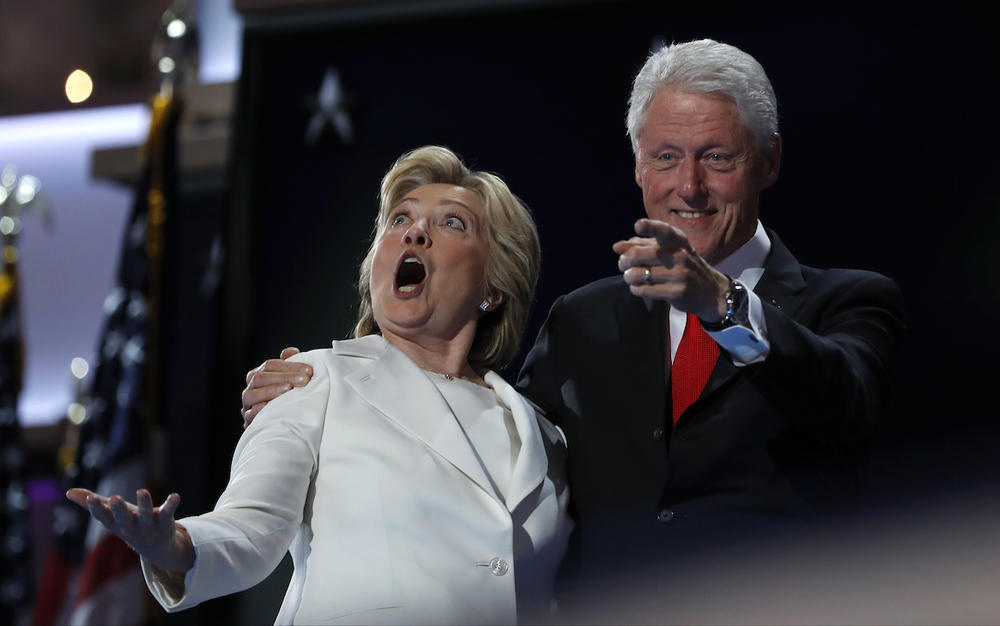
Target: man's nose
{"type": "Point", "coordinates": [416, 235]}
{"type": "Point", "coordinates": [692, 183]}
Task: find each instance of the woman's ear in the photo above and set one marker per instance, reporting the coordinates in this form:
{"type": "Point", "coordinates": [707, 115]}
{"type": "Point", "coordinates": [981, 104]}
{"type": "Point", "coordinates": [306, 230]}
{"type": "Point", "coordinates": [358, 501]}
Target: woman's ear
{"type": "Point", "coordinates": [493, 300]}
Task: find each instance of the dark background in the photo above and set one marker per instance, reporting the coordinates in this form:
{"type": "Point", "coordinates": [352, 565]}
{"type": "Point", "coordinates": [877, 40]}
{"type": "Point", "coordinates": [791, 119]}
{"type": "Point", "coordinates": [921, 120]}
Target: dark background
{"type": "Point", "coordinates": [889, 121]}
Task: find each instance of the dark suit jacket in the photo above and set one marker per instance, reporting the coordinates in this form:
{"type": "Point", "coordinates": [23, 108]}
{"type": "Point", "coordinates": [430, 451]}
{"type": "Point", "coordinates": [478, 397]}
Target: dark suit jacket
{"type": "Point", "coordinates": [762, 441]}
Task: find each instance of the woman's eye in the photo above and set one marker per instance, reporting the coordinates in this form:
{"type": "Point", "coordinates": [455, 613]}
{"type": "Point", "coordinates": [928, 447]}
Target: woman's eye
{"type": "Point", "coordinates": [399, 219]}
{"type": "Point", "coordinates": [454, 222]}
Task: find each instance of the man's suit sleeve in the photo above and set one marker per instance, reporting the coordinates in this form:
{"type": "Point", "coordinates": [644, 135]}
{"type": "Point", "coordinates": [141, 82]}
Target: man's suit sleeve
{"type": "Point", "coordinates": [539, 380]}
{"type": "Point", "coordinates": [830, 367]}
{"type": "Point", "coordinates": [255, 520]}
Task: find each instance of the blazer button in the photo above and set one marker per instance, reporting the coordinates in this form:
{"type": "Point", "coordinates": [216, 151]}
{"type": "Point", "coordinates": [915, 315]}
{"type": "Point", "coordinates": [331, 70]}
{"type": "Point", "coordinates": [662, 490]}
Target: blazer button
{"type": "Point", "coordinates": [665, 515]}
{"type": "Point", "coordinates": [498, 567]}
{"type": "Point", "coordinates": [658, 433]}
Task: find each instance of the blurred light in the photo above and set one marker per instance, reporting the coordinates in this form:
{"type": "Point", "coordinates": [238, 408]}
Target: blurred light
{"type": "Point", "coordinates": [166, 65]}
{"type": "Point", "coordinates": [10, 255]}
{"type": "Point", "coordinates": [3, 194]}
{"type": "Point", "coordinates": [15, 543]}
{"type": "Point", "coordinates": [8, 177]}
{"type": "Point", "coordinates": [77, 413]}
{"type": "Point", "coordinates": [79, 367]}
{"type": "Point", "coordinates": [7, 224]}
{"type": "Point", "coordinates": [27, 189]}
{"type": "Point", "coordinates": [79, 129]}
{"type": "Point", "coordinates": [16, 498]}
{"type": "Point", "coordinates": [176, 28]}
{"type": "Point", "coordinates": [219, 41]}
{"type": "Point", "coordinates": [79, 86]}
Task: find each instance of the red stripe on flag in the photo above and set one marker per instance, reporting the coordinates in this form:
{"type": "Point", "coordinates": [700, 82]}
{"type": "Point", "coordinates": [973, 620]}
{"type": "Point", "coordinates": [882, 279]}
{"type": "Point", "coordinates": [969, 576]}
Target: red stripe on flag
{"type": "Point", "coordinates": [109, 559]}
{"type": "Point", "coordinates": [52, 590]}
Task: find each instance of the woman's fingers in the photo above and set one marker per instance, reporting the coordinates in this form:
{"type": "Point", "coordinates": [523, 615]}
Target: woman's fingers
{"type": "Point", "coordinates": [100, 511]}
{"type": "Point", "coordinates": [148, 529]}
{"type": "Point", "coordinates": [167, 509]}
{"type": "Point", "coordinates": [144, 507]}
{"type": "Point", "coordinates": [79, 496]}
{"type": "Point", "coordinates": [122, 511]}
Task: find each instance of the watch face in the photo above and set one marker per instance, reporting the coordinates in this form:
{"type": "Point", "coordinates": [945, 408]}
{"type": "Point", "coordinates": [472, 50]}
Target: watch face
{"type": "Point", "coordinates": [737, 309]}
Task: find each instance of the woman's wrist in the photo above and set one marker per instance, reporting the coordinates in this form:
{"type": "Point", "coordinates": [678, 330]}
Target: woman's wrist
{"type": "Point", "coordinates": [178, 556]}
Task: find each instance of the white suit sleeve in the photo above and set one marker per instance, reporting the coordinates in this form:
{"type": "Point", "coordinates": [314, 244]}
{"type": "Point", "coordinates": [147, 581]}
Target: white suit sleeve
{"type": "Point", "coordinates": [258, 515]}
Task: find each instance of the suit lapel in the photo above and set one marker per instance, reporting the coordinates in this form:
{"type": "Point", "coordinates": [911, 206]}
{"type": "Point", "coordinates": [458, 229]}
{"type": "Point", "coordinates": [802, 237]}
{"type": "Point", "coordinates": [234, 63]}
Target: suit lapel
{"type": "Point", "coordinates": [398, 389]}
{"type": "Point", "coordinates": [531, 465]}
{"type": "Point", "coordinates": [782, 282]}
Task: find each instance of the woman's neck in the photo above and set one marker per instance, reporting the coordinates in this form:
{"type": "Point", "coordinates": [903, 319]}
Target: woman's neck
{"type": "Point", "coordinates": [448, 357]}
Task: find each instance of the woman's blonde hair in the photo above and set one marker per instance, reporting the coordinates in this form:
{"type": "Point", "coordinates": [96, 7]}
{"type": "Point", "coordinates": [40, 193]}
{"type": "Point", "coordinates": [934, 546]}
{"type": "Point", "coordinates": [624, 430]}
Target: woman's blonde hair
{"type": "Point", "coordinates": [514, 255]}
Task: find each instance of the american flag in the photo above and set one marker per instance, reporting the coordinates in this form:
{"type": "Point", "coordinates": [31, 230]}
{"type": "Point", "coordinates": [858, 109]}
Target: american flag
{"type": "Point", "coordinates": [92, 576]}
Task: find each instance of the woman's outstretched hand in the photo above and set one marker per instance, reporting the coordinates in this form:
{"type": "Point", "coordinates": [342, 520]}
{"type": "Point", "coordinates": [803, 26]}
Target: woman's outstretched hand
{"type": "Point", "coordinates": [151, 531]}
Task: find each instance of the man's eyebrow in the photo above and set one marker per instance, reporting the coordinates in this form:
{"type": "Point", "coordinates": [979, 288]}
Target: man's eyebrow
{"type": "Point", "coordinates": [663, 144]}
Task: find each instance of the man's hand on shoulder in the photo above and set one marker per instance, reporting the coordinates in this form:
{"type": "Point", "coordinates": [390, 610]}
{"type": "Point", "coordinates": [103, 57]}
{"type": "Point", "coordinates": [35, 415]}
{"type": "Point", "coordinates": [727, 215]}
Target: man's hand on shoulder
{"type": "Point", "coordinates": [660, 263]}
{"type": "Point", "coordinates": [269, 380]}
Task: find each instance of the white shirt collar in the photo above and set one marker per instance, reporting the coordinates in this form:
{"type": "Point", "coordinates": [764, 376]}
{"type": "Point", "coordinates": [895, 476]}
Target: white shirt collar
{"type": "Point", "coordinates": [746, 264]}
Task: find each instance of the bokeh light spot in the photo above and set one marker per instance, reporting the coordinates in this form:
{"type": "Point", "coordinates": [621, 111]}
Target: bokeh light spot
{"type": "Point", "coordinates": [79, 367]}
{"type": "Point", "coordinates": [79, 86]}
{"type": "Point", "coordinates": [176, 28]}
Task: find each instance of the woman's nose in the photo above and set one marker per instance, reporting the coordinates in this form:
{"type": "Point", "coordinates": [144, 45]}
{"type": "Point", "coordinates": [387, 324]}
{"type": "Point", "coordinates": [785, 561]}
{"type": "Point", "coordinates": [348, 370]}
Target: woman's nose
{"type": "Point", "coordinates": [416, 235]}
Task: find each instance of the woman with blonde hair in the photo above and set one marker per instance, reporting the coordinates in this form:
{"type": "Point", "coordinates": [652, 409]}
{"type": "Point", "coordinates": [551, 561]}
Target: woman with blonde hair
{"type": "Point", "coordinates": [409, 481]}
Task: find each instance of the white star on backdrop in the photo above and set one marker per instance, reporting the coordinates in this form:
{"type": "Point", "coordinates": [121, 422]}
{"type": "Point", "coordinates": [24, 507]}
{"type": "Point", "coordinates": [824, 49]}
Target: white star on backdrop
{"type": "Point", "coordinates": [330, 109]}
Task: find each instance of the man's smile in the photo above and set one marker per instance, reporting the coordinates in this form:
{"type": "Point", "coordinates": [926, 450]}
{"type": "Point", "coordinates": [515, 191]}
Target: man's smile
{"type": "Point", "coordinates": [694, 214]}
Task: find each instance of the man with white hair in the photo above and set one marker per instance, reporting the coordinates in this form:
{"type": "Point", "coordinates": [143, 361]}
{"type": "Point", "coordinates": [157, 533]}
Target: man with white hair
{"type": "Point", "coordinates": [721, 383]}
{"type": "Point", "coordinates": [716, 384]}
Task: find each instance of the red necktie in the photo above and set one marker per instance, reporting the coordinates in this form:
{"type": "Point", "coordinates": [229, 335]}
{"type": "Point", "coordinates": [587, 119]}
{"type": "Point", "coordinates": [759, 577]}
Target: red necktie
{"type": "Point", "coordinates": [693, 364]}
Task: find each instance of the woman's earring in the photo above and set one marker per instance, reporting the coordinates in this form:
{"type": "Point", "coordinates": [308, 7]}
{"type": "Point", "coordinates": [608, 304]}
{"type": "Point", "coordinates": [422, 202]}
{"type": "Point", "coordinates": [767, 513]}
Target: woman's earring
{"type": "Point", "coordinates": [484, 306]}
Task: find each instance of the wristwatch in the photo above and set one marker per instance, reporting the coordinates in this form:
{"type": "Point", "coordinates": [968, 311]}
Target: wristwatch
{"type": "Point", "coordinates": [737, 308]}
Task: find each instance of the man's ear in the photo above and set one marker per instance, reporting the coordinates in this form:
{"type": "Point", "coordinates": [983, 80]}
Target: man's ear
{"type": "Point", "coordinates": [638, 172]}
{"type": "Point", "coordinates": [772, 161]}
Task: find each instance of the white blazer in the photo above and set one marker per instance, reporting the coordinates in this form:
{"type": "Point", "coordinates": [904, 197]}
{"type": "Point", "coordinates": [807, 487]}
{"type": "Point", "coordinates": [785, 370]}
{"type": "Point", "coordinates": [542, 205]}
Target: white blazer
{"type": "Point", "coordinates": [366, 477]}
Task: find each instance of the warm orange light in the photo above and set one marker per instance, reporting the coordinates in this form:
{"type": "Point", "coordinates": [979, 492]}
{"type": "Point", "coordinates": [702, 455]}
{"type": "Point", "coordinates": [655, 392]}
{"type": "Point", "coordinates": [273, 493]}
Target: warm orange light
{"type": "Point", "coordinates": [79, 86]}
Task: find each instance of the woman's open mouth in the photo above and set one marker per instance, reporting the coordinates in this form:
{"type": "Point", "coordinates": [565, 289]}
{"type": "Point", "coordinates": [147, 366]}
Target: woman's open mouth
{"type": "Point", "coordinates": [410, 275]}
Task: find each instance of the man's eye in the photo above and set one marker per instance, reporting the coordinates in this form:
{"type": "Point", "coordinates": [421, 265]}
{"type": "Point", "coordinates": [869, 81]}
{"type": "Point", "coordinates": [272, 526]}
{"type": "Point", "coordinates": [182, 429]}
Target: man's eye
{"type": "Point", "coordinates": [720, 161]}
{"type": "Point", "coordinates": [665, 158]}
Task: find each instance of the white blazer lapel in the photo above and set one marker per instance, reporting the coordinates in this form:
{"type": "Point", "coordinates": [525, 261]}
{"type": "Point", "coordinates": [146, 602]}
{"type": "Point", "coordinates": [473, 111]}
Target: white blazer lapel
{"type": "Point", "coordinates": [397, 388]}
{"type": "Point", "coordinates": [532, 464]}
